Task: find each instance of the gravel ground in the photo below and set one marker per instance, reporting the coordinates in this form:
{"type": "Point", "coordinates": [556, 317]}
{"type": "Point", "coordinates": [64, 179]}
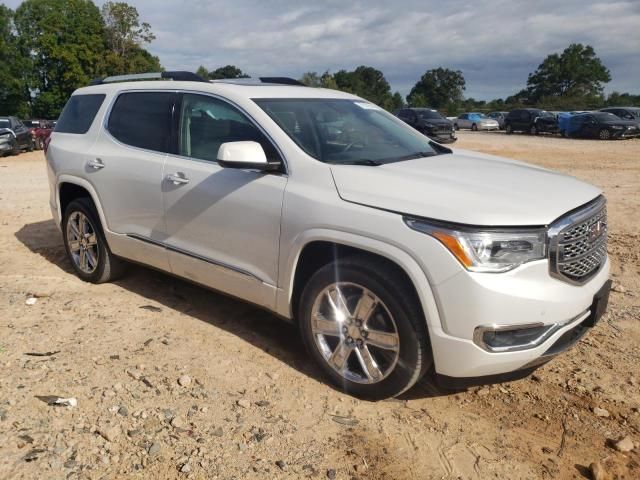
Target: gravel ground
{"type": "Point", "coordinates": [174, 381]}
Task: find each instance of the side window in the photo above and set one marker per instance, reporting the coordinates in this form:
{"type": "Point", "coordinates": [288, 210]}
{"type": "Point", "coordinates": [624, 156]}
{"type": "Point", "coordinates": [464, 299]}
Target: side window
{"type": "Point", "coordinates": [79, 112]}
{"type": "Point", "coordinates": [206, 123]}
{"type": "Point", "coordinates": [143, 119]}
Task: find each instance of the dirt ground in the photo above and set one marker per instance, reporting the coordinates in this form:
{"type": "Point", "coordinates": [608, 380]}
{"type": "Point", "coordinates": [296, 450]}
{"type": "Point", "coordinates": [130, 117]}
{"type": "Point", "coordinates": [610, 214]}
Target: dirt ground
{"type": "Point", "coordinates": [251, 405]}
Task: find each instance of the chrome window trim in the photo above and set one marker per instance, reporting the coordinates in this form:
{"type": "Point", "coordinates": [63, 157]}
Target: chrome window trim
{"type": "Point", "coordinates": [478, 333]}
{"type": "Point", "coordinates": [114, 98]}
{"type": "Point", "coordinates": [556, 228]}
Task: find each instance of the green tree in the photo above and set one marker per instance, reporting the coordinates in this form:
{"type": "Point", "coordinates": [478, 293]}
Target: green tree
{"type": "Point", "coordinates": [437, 88]}
{"type": "Point", "coordinates": [13, 90]}
{"type": "Point", "coordinates": [64, 45]}
{"type": "Point", "coordinates": [228, 71]}
{"type": "Point", "coordinates": [313, 79]}
{"type": "Point", "coordinates": [576, 72]}
{"type": "Point", "coordinates": [125, 36]}
{"type": "Point", "coordinates": [366, 82]}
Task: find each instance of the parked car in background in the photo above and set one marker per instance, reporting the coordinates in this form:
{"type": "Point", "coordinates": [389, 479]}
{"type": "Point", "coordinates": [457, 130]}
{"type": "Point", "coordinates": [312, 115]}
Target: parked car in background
{"type": "Point", "coordinates": [367, 236]}
{"type": "Point", "coordinates": [14, 136]}
{"type": "Point", "coordinates": [429, 122]}
{"type": "Point", "coordinates": [625, 113]}
{"type": "Point", "coordinates": [40, 131]}
{"type": "Point", "coordinates": [530, 120]}
{"type": "Point", "coordinates": [602, 125]}
{"type": "Point", "coordinates": [498, 117]}
{"type": "Point", "coordinates": [475, 121]}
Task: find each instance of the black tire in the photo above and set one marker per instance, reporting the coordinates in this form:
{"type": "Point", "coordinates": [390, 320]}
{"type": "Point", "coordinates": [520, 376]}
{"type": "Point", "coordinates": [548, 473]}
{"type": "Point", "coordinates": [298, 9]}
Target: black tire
{"type": "Point", "coordinates": [32, 145]}
{"type": "Point", "coordinates": [508, 129]}
{"type": "Point", "coordinates": [604, 134]}
{"type": "Point", "coordinates": [534, 130]}
{"type": "Point", "coordinates": [413, 357]}
{"type": "Point", "coordinates": [109, 267]}
{"type": "Point", "coordinates": [474, 127]}
{"type": "Point", "coordinates": [455, 126]}
{"type": "Point", "coordinates": [39, 145]}
{"type": "Point", "coordinates": [16, 147]}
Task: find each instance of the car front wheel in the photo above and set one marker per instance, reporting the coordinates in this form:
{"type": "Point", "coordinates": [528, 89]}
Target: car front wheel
{"type": "Point", "coordinates": [85, 244]}
{"type": "Point", "coordinates": [604, 134]}
{"type": "Point", "coordinates": [508, 129]}
{"type": "Point", "coordinates": [362, 325]}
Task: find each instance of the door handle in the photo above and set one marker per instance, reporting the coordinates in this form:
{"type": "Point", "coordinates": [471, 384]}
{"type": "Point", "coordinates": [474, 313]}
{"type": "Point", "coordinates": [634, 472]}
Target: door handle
{"type": "Point", "coordinates": [177, 178]}
{"type": "Point", "coordinates": [95, 164]}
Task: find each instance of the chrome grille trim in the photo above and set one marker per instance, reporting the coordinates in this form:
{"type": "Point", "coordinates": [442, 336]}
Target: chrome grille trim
{"type": "Point", "coordinates": [578, 243]}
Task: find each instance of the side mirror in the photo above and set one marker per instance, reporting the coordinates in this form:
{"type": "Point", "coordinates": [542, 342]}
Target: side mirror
{"type": "Point", "coordinates": [242, 155]}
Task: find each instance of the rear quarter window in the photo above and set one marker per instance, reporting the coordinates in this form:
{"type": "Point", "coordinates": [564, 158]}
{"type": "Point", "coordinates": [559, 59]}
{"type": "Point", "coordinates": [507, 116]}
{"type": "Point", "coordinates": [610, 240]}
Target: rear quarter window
{"type": "Point", "coordinates": [79, 112]}
{"type": "Point", "coordinates": [143, 119]}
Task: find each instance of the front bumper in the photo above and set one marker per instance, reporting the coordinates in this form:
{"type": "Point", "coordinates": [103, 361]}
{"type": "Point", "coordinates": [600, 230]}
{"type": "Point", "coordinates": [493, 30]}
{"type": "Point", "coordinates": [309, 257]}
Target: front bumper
{"type": "Point", "coordinates": [6, 147]}
{"type": "Point", "coordinates": [488, 127]}
{"type": "Point", "coordinates": [443, 138]}
{"type": "Point", "coordinates": [526, 295]}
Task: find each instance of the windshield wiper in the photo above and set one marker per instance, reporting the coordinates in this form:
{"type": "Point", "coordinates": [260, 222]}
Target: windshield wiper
{"type": "Point", "coordinates": [361, 161]}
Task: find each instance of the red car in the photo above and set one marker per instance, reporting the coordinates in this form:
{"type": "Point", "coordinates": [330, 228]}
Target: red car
{"type": "Point", "coordinates": [40, 131]}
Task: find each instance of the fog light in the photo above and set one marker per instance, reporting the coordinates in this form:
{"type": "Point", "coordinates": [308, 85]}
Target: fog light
{"type": "Point", "coordinates": [513, 337]}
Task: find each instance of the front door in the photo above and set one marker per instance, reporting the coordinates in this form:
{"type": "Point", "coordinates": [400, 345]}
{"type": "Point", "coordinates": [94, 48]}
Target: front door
{"type": "Point", "coordinates": [222, 224]}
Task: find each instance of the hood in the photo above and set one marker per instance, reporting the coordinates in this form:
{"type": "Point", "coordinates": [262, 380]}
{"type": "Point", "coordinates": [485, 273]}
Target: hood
{"type": "Point", "coordinates": [465, 187]}
{"type": "Point", "coordinates": [436, 121]}
{"type": "Point", "coordinates": [621, 122]}
{"type": "Point", "coordinates": [7, 130]}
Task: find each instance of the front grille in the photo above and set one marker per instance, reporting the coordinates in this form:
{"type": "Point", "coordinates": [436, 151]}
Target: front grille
{"type": "Point", "coordinates": [578, 243]}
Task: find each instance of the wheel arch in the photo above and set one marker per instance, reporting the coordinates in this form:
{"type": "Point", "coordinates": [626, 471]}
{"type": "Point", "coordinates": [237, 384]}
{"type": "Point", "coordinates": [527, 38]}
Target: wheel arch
{"type": "Point", "coordinates": [69, 188]}
{"type": "Point", "coordinates": [318, 248]}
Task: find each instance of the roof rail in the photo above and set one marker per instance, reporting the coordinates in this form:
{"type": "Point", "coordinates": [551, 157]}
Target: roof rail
{"type": "Point", "coordinates": [175, 75]}
{"type": "Point", "coordinates": [282, 81]}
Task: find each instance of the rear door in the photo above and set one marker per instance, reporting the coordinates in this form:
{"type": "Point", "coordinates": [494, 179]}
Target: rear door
{"type": "Point", "coordinates": [222, 224]}
{"type": "Point", "coordinates": [125, 167]}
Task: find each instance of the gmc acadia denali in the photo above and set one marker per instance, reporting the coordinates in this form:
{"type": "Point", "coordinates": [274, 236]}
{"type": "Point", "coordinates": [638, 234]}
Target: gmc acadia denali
{"type": "Point", "coordinates": [395, 255]}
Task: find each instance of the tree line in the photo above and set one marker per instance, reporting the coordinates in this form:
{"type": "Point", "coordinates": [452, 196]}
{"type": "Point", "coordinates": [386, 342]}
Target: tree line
{"type": "Point", "coordinates": [571, 80]}
{"type": "Point", "coordinates": [48, 48]}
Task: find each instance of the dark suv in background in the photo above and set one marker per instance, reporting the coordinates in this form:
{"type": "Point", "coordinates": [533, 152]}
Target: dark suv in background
{"type": "Point", "coordinates": [530, 120]}
{"type": "Point", "coordinates": [625, 113]}
{"type": "Point", "coordinates": [14, 136]}
{"type": "Point", "coordinates": [429, 122]}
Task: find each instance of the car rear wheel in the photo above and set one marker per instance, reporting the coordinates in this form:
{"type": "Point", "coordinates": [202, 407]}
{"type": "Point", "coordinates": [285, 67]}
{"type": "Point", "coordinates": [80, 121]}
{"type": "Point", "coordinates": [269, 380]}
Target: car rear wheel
{"type": "Point", "coordinates": [38, 144]}
{"type": "Point", "coordinates": [508, 129]}
{"type": "Point", "coordinates": [362, 325]}
{"type": "Point", "coordinates": [533, 130]}
{"type": "Point", "coordinates": [604, 134]}
{"type": "Point", "coordinates": [85, 244]}
{"type": "Point", "coordinates": [455, 126]}
{"type": "Point", "coordinates": [474, 127]}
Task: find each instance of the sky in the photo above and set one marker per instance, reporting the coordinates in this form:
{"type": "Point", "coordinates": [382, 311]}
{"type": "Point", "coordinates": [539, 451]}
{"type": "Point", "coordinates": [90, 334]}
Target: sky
{"type": "Point", "coordinates": [496, 43]}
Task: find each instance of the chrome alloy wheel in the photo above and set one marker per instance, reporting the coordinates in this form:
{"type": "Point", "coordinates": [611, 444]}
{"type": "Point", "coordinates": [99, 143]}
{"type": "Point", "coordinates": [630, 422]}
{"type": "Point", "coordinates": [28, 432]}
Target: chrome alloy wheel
{"type": "Point", "coordinates": [355, 332]}
{"type": "Point", "coordinates": [82, 242]}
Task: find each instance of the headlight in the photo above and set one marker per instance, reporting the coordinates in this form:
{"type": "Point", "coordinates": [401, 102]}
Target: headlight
{"type": "Point", "coordinates": [429, 125]}
{"type": "Point", "coordinates": [487, 251]}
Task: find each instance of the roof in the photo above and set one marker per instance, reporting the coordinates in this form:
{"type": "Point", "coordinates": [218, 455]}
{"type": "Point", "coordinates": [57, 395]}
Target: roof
{"type": "Point", "coordinates": [226, 88]}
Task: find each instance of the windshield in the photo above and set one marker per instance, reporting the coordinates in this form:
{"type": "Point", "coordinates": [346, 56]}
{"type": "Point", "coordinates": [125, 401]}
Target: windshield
{"type": "Point", "coordinates": [544, 113]}
{"type": "Point", "coordinates": [31, 123]}
{"type": "Point", "coordinates": [4, 123]}
{"type": "Point", "coordinates": [346, 131]}
{"type": "Point", "coordinates": [635, 112]}
{"type": "Point", "coordinates": [428, 114]}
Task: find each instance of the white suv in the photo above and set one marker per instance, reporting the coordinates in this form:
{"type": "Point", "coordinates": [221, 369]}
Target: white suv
{"type": "Point", "coordinates": [395, 255]}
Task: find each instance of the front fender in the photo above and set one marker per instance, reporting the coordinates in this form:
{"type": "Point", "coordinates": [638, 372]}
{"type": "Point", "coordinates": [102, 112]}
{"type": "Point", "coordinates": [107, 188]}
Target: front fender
{"type": "Point", "coordinates": [370, 245]}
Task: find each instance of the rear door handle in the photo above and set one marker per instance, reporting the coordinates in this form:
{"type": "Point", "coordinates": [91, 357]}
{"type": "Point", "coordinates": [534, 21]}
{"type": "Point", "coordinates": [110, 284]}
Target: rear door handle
{"type": "Point", "coordinates": [177, 178]}
{"type": "Point", "coordinates": [95, 164]}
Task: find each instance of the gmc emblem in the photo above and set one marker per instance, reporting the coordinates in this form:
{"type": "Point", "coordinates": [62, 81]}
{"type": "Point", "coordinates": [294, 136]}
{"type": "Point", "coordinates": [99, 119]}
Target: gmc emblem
{"type": "Point", "coordinates": [596, 230]}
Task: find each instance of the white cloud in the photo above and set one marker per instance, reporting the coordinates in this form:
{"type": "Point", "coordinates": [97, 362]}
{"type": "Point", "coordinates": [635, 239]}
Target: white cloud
{"type": "Point", "coordinates": [496, 44]}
